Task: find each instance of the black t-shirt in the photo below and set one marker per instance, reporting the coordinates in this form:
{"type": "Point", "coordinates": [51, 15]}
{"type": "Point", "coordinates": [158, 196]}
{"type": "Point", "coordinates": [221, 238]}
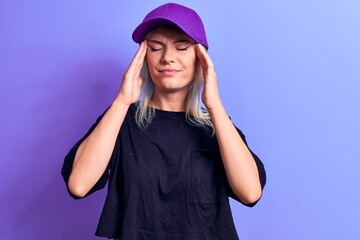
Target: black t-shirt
{"type": "Point", "coordinates": [165, 182]}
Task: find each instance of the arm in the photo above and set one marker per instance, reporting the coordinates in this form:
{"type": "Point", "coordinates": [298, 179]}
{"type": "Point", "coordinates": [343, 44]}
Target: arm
{"type": "Point", "coordinates": [240, 166]}
{"type": "Point", "coordinates": [94, 153]}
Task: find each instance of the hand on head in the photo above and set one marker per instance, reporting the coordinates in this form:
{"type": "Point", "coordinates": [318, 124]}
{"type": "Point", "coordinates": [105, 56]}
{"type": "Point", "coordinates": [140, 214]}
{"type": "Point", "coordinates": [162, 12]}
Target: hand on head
{"type": "Point", "coordinates": [132, 81]}
{"type": "Point", "coordinates": [210, 95]}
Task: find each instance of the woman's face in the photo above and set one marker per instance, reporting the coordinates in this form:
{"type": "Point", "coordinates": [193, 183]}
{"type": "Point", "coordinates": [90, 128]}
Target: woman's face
{"type": "Point", "coordinates": [171, 59]}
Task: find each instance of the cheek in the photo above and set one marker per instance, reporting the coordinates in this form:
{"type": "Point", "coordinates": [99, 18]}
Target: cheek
{"type": "Point", "coordinates": [149, 59]}
{"type": "Point", "coordinates": [191, 63]}
{"type": "Point", "coordinates": [150, 63]}
{"type": "Point", "coordinates": [191, 59]}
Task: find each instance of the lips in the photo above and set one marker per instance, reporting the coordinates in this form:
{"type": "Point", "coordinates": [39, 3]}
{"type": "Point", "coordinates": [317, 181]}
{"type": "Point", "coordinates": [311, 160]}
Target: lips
{"type": "Point", "coordinates": [168, 71]}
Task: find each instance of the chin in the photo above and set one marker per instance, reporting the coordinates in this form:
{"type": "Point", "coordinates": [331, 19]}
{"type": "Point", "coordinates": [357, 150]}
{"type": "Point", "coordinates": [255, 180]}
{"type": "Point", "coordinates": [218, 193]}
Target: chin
{"type": "Point", "coordinates": [172, 88]}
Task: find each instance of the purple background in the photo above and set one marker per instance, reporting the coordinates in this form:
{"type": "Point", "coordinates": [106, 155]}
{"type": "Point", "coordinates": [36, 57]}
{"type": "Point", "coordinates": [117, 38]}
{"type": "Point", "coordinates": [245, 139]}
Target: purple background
{"type": "Point", "coordinates": [289, 76]}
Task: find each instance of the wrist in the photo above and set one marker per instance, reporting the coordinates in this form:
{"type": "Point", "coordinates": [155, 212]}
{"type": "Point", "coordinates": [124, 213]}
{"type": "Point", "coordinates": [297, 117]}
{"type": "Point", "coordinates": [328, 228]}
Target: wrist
{"type": "Point", "coordinates": [216, 109]}
{"type": "Point", "coordinates": [214, 105]}
{"type": "Point", "coordinates": [118, 103]}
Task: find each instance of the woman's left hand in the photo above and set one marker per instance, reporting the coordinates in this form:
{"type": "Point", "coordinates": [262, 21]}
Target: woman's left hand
{"type": "Point", "coordinates": [210, 95]}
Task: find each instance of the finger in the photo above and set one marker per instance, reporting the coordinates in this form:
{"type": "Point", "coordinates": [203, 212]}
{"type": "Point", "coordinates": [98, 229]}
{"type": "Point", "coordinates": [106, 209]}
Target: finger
{"type": "Point", "coordinates": [140, 81]}
{"type": "Point", "coordinates": [139, 57]}
{"type": "Point", "coordinates": [204, 58]}
{"type": "Point", "coordinates": [138, 70]}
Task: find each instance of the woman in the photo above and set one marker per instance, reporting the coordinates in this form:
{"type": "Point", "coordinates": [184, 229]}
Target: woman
{"type": "Point", "coordinates": [171, 164]}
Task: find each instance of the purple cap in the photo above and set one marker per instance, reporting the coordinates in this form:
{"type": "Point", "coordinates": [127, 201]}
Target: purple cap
{"type": "Point", "coordinates": [172, 14]}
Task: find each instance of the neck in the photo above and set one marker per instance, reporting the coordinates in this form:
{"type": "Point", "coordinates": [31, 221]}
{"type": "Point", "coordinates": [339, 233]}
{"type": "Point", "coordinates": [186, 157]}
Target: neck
{"type": "Point", "coordinates": [174, 102]}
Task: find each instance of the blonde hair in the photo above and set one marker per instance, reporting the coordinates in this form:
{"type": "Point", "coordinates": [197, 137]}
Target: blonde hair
{"type": "Point", "coordinates": [195, 114]}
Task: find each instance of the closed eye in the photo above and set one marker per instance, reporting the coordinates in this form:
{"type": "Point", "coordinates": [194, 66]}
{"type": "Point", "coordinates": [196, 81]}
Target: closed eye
{"type": "Point", "coordinates": [154, 49]}
{"type": "Point", "coordinates": [182, 48]}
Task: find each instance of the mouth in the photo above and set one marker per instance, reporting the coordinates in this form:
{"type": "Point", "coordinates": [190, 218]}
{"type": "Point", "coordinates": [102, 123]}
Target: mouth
{"type": "Point", "coordinates": [168, 71]}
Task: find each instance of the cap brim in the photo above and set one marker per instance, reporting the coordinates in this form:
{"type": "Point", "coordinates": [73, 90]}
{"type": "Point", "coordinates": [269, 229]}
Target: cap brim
{"type": "Point", "coordinates": [145, 27]}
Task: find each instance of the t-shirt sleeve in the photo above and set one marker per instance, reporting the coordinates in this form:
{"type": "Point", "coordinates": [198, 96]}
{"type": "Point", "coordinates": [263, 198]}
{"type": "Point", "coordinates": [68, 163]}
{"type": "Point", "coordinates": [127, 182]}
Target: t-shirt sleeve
{"type": "Point", "coordinates": [261, 170]}
{"type": "Point", "coordinates": [69, 160]}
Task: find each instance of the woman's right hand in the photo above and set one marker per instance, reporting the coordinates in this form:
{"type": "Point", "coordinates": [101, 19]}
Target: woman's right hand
{"type": "Point", "coordinates": [131, 83]}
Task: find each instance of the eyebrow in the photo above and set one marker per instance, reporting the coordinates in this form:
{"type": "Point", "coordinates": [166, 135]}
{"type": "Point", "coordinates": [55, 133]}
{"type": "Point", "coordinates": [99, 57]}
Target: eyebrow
{"type": "Point", "coordinates": [176, 41]}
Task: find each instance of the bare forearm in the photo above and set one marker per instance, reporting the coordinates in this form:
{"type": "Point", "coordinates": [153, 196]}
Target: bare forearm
{"type": "Point", "coordinates": [93, 155]}
{"type": "Point", "coordinates": [239, 164]}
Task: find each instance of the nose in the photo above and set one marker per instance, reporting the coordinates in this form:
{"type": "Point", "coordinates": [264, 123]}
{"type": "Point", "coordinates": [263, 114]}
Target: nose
{"type": "Point", "coordinates": [168, 56]}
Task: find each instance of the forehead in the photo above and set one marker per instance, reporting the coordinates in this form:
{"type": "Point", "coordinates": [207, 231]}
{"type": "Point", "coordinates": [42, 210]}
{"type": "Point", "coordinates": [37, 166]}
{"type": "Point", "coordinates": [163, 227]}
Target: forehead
{"type": "Point", "coordinates": [171, 33]}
